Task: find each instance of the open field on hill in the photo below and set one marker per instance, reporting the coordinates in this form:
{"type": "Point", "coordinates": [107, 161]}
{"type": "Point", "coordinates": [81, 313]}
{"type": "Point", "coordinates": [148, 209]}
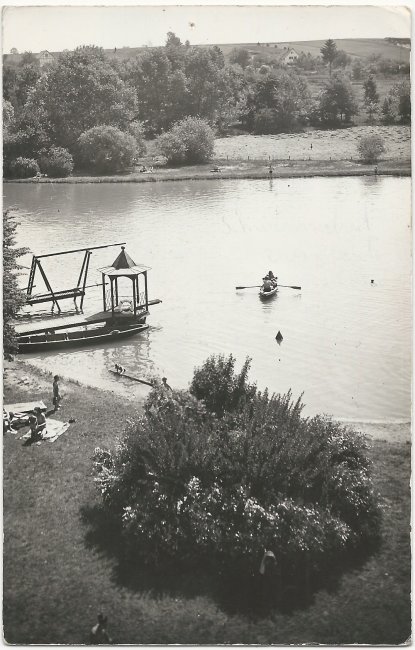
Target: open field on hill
{"type": "Point", "coordinates": [50, 529]}
{"type": "Point", "coordinates": [339, 144]}
{"type": "Point", "coordinates": [356, 47]}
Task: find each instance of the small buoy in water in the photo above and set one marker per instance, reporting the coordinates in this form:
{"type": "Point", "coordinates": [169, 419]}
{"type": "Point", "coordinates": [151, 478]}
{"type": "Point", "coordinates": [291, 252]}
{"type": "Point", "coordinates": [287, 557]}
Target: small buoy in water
{"type": "Point", "coordinates": [279, 336]}
{"type": "Point", "coordinates": [372, 282]}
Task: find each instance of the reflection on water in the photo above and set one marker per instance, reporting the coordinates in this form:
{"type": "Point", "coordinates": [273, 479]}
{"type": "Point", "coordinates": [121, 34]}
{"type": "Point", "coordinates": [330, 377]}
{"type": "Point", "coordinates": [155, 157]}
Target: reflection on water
{"type": "Point", "coordinates": [346, 342]}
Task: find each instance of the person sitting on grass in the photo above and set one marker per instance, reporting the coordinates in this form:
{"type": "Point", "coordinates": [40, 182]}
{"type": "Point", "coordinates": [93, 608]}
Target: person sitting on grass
{"type": "Point", "coordinates": [35, 431]}
{"type": "Point", "coordinates": [41, 420]}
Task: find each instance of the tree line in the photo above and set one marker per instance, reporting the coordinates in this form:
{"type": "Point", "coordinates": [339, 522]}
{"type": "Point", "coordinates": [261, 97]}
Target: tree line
{"type": "Point", "coordinates": [94, 111]}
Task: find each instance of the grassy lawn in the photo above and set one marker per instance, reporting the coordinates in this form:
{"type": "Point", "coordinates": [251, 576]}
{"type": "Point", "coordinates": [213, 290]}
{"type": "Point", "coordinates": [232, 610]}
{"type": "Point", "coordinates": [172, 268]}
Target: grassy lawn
{"type": "Point", "coordinates": [58, 574]}
{"type": "Point", "coordinates": [339, 144]}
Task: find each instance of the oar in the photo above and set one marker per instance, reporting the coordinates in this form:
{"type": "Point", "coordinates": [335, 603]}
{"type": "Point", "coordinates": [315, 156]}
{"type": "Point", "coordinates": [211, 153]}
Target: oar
{"type": "Point", "coordinates": [257, 286]}
{"type": "Point", "coordinates": [252, 286]}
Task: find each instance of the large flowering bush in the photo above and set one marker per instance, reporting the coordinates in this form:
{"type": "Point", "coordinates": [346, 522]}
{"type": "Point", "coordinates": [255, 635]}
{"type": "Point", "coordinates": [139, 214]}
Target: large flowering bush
{"type": "Point", "coordinates": [186, 484]}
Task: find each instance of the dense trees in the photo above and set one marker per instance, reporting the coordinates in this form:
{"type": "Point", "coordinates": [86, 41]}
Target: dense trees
{"type": "Point", "coordinates": [177, 81]}
{"type": "Point", "coordinates": [13, 297]}
{"type": "Point", "coordinates": [17, 82]}
{"type": "Point", "coordinates": [276, 102]}
{"type": "Point", "coordinates": [52, 106]}
{"type": "Point", "coordinates": [81, 90]}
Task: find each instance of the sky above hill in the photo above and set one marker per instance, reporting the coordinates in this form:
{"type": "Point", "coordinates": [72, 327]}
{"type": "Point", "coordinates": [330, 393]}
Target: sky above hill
{"type": "Point", "coordinates": [54, 28]}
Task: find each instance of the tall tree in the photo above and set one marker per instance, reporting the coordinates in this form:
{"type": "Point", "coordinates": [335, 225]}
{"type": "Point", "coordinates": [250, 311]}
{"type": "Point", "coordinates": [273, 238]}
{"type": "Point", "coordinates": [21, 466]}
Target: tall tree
{"type": "Point", "coordinates": [371, 97]}
{"type": "Point", "coordinates": [207, 82]}
{"type": "Point", "coordinates": [337, 101]}
{"type": "Point", "coordinates": [401, 94]}
{"type": "Point", "coordinates": [150, 76]}
{"type": "Point", "coordinates": [13, 297]}
{"type": "Point", "coordinates": [329, 52]}
{"type": "Point", "coordinates": [175, 51]}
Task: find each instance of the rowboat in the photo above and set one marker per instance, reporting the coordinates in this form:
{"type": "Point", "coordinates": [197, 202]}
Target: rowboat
{"type": "Point", "coordinates": [268, 294]}
{"type": "Point", "coordinates": [51, 340]}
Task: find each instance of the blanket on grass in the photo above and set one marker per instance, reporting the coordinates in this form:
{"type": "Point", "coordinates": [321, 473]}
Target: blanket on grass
{"type": "Point", "coordinates": [54, 429]}
{"type": "Point", "coordinates": [24, 407]}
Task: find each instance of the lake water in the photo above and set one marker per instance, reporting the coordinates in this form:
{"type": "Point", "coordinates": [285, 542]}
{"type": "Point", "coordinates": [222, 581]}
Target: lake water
{"type": "Point", "coordinates": [347, 341]}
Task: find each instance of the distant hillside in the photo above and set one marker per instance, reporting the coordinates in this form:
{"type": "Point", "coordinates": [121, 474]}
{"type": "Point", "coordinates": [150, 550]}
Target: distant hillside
{"type": "Point", "coordinates": [389, 48]}
{"type": "Point", "coordinates": [359, 47]}
{"type": "Point", "coordinates": [355, 47]}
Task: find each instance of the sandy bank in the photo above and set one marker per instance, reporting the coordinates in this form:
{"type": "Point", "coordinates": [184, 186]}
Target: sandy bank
{"type": "Point", "coordinates": [25, 382]}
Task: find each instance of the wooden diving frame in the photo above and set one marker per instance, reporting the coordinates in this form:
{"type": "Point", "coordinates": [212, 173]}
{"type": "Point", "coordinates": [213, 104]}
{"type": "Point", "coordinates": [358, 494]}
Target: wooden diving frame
{"type": "Point", "coordinates": [55, 296]}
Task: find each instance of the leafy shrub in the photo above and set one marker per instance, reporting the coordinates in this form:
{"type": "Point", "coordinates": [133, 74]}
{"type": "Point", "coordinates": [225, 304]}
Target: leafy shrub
{"type": "Point", "coordinates": [188, 485]}
{"type": "Point", "coordinates": [370, 148]}
{"type": "Point", "coordinates": [56, 163]}
{"type": "Point", "coordinates": [21, 168]}
{"type": "Point", "coordinates": [219, 387]}
{"type": "Point", "coordinates": [106, 149]}
{"type": "Point", "coordinates": [189, 141]}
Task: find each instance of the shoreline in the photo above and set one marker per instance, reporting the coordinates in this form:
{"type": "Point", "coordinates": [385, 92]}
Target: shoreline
{"type": "Point", "coordinates": [234, 169]}
{"type": "Point", "coordinates": [22, 379]}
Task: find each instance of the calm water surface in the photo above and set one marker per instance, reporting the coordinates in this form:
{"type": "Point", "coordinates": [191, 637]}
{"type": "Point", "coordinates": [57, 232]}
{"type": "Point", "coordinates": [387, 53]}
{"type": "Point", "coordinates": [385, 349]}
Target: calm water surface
{"type": "Point", "coordinates": [347, 342]}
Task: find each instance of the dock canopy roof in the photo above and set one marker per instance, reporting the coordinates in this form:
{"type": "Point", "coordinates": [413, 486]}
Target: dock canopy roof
{"type": "Point", "coordinates": [124, 265]}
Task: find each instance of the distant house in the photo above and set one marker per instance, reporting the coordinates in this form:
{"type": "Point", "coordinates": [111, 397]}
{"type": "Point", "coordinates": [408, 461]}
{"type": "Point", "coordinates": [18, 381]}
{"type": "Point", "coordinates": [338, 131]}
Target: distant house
{"type": "Point", "coordinates": [284, 56]}
{"type": "Point", "coordinates": [14, 58]}
{"type": "Point", "coordinates": [44, 58]}
{"type": "Point", "coordinates": [289, 56]}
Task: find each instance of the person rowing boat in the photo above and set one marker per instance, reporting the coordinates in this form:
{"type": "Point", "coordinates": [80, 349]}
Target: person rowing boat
{"type": "Point", "coordinates": [269, 282]}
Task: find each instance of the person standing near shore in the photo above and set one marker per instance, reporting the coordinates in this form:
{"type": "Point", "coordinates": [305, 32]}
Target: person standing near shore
{"type": "Point", "coordinates": [56, 394]}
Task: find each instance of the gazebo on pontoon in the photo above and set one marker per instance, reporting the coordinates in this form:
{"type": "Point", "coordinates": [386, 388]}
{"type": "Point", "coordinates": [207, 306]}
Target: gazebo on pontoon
{"type": "Point", "coordinates": [125, 267]}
